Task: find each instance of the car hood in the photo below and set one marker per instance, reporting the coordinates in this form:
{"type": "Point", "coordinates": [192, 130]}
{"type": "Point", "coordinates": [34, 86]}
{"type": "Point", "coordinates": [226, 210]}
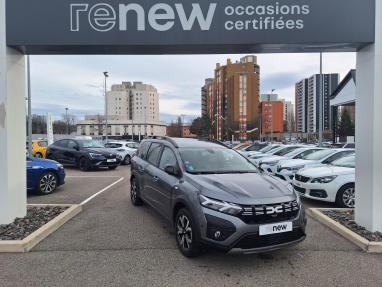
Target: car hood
{"type": "Point", "coordinates": [271, 158]}
{"type": "Point", "coordinates": [42, 161]}
{"type": "Point", "coordinates": [296, 162]}
{"type": "Point", "coordinates": [245, 189]}
{"type": "Point", "coordinates": [326, 170]}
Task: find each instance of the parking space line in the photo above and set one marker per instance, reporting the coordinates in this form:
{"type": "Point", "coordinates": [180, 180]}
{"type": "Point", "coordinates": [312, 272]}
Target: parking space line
{"type": "Point", "coordinates": [101, 191]}
{"type": "Point", "coordinates": [105, 176]}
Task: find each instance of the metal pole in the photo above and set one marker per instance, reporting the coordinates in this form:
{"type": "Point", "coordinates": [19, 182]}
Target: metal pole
{"type": "Point", "coordinates": [321, 105]}
{"type": "Point", "coordinates": [29, 108]}
{"type": "Point", "coordinates": [106, 115]}
{"type": "Point", "coordinates": [67, 120]}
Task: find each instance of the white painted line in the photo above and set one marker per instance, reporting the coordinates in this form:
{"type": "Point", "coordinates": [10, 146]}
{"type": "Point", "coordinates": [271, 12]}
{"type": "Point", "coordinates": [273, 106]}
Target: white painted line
{"type": "Point", "coordinates": [101, 191]}
{"type": "Point", "coordinates": [93, 176]}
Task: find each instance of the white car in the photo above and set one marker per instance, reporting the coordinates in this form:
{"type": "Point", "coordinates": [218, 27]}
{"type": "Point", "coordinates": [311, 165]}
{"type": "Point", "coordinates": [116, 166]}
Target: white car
{"type": "Point", "coordinates": [286, 169]}
{"type": "Point", "coordinates": [124, 149]}
{"type": "Point", "coordinates": [269, 164]}
{"type": "Point", "coordinates": [266, 149]}
{"type": "Point", "coordinates": [281, 151]}
{"type": "Point", "coordinates": [330, 183]}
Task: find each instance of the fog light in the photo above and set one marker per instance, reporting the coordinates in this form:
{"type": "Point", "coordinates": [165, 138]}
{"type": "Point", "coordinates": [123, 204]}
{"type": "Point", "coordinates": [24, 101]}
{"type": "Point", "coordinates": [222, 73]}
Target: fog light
{"type": "Point", "coordinates": [217, 234]}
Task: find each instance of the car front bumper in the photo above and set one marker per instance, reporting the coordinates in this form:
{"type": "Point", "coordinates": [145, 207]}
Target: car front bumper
{"type": "Point", "coordinates": [318, 191]}
{"type": "Point", "coordinates": [244, 238]}
{"type": "Point", "coordinates": [104, 163]}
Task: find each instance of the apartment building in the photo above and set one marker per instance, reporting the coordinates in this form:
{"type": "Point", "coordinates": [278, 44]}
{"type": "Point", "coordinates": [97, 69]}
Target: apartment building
{"type": "Point", "coordinates": [133, 110]}
{"type": "Point", "coordinates": [272, 117]}
{"type": "Point", "coordinates": [233, 98]}
{"type": "Point", "coordinates": [308, 95]}
{"type": "Point", "coordinates": [204, 96]}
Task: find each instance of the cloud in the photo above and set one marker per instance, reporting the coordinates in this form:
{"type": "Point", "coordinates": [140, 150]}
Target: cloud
{"type": "Point", "coordinates": [77, 82]}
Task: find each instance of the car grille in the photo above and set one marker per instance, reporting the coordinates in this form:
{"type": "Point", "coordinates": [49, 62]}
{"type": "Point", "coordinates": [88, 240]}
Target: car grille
{"type": "Point", "coordinates": [269, 213]}
{"type": "Point", "coordinates": [299, 189]}
{"type": "Point", "coordinates": [256, 241]}
{"type": "Point", "coordinates": [301, 178]}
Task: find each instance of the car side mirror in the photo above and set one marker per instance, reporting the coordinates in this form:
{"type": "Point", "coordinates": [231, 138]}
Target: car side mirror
{"type": "Point", "coordinates": [172, 170]}
{"type": "Point", "coordinates": [76, 147]}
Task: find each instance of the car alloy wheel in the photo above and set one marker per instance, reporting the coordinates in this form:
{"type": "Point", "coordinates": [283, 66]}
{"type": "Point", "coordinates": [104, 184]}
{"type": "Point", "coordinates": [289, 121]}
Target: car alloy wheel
{"type": "Point", "coordinates": [84, 164]}
{"type": "Point", "coordinates": [184, 232]}
{"type": "Point", "coordinates": [134, 193]}
{"type": "Point", "coordinates": [127, 160]}
{"type": "Point", "coordinates": [48, 183]}
{"type": "Point", "coordinates": [348, 197]}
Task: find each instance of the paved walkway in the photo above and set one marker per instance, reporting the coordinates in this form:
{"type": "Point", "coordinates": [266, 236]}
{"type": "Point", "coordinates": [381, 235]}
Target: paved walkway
{"type": "Point", "coordinates": [112, 243]}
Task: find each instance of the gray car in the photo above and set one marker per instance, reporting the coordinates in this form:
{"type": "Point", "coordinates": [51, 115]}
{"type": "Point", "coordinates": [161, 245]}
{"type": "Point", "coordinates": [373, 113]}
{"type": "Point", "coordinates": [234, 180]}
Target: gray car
{"type": "Point", "coordinates": [214, 196]}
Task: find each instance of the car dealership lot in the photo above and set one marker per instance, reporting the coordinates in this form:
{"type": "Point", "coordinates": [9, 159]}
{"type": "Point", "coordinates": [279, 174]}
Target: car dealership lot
{"type": "Point", "coordinates": [112, 243]}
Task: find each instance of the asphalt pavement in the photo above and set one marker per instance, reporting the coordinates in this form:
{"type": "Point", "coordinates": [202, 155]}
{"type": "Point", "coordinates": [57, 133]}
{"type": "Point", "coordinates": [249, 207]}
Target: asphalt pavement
{"type": "Point", "coordinates": [112, 243]}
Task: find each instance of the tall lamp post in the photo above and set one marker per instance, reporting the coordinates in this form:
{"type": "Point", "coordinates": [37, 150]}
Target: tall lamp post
{"type": "Point", "coordinates": [321, 106]}
{"type": "Point", "coordinates": [106, 74]}
{"type": "Point", "coordinates": [67, 120]}
{"type": "Point", "coordinates": [269, 100]}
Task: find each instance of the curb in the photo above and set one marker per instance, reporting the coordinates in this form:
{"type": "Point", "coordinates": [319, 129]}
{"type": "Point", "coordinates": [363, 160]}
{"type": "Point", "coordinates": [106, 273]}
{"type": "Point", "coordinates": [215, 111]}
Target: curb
{"type": "Point", "coordinates": [44, 231]}
{"type": "Point", "coordinates": [364, 244]}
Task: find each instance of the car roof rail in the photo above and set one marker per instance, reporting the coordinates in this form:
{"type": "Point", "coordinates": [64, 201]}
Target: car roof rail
{"type": "Point", "coordinates": [215, 141]}
{"type": "Point", "coordinates": [170, 140]}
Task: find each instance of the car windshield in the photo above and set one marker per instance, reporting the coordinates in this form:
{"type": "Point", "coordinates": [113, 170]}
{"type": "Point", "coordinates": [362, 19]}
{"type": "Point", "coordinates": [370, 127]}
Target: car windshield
{"type": "Point", "coordinates": [286, 150]}
{"type": "Point", "coordinates": [215, 160]}
{"type": "Point", "coordinates": [347, 161]}
{"type": "Point", "coordinates": [295, 152]}
{"type": "Point", "coordinates": [90, 144]}
{"type": "Point", "coordinates": [268, 148]}
{"type": "Point", "coordinates": [321, 154]}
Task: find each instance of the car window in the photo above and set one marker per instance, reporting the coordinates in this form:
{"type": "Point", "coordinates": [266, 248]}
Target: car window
{"type": "Point", "coordinates": [154, 152]}
{"type": "Point", "coordinates": [109, 145]}
{"type": "Point", "coordinates": [168, 158]}
{"type": "Point", "coordinates": [72, 144]}
{"type": "Point", "coordinates": [305, 153]}
{"type": "Point", "coordinates": [62, 143]}
{"type": "Point", "coordinates": [43, 144]}
{"type": "Point", "coordinates": [132, 145]}
{"type": "Point", "coordinates": [143, 148]}
{"type": "Point", "coordinates": [338, 156]}
{"type": "Point", "coordinates": [286, 150]}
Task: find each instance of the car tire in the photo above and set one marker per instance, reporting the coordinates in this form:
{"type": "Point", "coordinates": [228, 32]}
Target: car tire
{"type": "Point", "coordinates": [346, 196]}
{"type": "Point", "coordinates": [187, 234]}
{"type": "Point", "coordinates": [38, 155]}
{"type": "Point", "coordinates": [47, 183]}
{"type": "Point", "coordinates": [127, 160]}
{"type": "Point", "coordinates": [134, 193]}
{"type": "Point", "coordinates": [84, 164]}
{"type": "Point", "coordinates": [112, 167]}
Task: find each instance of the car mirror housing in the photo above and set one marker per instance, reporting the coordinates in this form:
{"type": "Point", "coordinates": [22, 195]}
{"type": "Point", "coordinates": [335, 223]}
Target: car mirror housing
{"type": "Point", "coordinates": [172, 170]}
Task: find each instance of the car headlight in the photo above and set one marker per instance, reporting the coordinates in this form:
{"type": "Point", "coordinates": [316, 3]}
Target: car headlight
{"type": "Point", "coordinates": [59, 165]}
{"type": "Point", "coordinates": [221, 206]}
{"type": "Point", "coordinates": [325, 179]}
{"type": "Point", "coordinates": [95, 155]}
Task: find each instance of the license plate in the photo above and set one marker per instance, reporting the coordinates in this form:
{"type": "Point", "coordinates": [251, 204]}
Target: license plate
{"type": "Point", "coordinates": [275, 228]}
{"type": "Point", "coordinates": [112, 160]}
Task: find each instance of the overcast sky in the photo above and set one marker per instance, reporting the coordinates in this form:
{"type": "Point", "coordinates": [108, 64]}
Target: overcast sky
{"type": "Point", "coordinates": [76, 82]}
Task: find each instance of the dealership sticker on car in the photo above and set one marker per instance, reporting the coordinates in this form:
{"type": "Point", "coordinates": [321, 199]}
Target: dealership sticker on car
{"type": "Point", "coordinates": [112, 160]}
{"type": "Point", "coordinates": [275, 228]}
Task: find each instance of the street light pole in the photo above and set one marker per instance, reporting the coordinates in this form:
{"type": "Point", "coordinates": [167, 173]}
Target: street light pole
{"type": "Point", "coordinates": [271, 114]}
{"type": "Point", "coordinates": [321, 106]}
{"type": "Point", "coordinates": [29, 108]}
{"type": "Point", "coordinates": [67, 120]}
{"type": "Point", "coordinates": [106, 74]}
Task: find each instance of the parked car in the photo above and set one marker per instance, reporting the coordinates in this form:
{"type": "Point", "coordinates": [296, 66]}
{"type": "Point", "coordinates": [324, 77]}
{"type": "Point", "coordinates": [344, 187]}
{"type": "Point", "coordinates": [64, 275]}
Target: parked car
{"type": "Point", "coordinates": [215, 196]}
{"type": "Point", "coordinates": [266, 149]}
{"type": "Point", "coordinates": [39, 148]}
{"type": "Point", "coordinates": [253, 148]}
{"type": "Point", "coordinates": [83, 153]}
{"type": "Point", "coordinates": [242, 145]}
{"type": "Point", "coordinates": [269, 164]}
{"type": "Point", "coordinates": [124, 149]}
{"type": "Point", "coordinates": [330, 183]}
{"type": "Point", "coordinates": [286, 169]}
{"type": "Point", "coordinates": [43, 175]}
{"type": "Point", "coordinates": [343, 145]}
{"type": "Point", "coordinates": [281, 151]}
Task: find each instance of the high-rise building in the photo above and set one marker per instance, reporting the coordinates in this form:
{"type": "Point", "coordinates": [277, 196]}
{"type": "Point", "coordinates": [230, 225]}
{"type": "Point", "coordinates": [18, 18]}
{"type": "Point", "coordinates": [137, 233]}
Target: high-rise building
{"type": "Point", "coordinates": [204, 98]}
{"type": "Point", "coordinates": [133, 101]}
{"type": "Point", "coordinates": [308, 95]}
{"type": "Point", "coordinates": [233, 98]}
{"type": "Point", "coordinates": [133, 112]}
{"type": "Point", "coordinates": [269, 97]}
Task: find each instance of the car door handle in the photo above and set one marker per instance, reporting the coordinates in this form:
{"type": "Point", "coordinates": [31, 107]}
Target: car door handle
{"type": "Point", "coordinates": [155, 178]}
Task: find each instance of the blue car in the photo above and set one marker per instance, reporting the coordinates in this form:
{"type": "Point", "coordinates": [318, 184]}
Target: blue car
{"type": "Point", "coordinates": [44, 175]}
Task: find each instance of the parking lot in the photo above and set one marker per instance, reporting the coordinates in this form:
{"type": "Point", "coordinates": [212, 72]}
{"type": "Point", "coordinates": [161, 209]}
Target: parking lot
{"type": "Point", "coordinates": [112, 243]}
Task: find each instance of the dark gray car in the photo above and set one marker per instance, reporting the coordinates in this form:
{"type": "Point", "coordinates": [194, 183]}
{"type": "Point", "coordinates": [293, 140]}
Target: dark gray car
{"type": "Point", "coordinates": [214, 196]}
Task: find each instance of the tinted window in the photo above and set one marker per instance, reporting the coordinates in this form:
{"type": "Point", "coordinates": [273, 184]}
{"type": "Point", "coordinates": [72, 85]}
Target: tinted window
{"type": "Point", "coordinates": [72, 144]}
{"type": "Point", "coordinates": [338, 156]}
{"type": "Point", "coordinates": [286, 150]}
{"type": "Point", "coordinates": [62, 143]}
{"type": "Point", "coordinates": [113, 145]}
{"type": "Point", "coordinates": [43, 144]}
{"type": "Point", "coordinates": [154, 152]}
{"type": "Point", "coordinates": [143, 148]}
{"type": "Point", "coordinates": [168, 158]}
